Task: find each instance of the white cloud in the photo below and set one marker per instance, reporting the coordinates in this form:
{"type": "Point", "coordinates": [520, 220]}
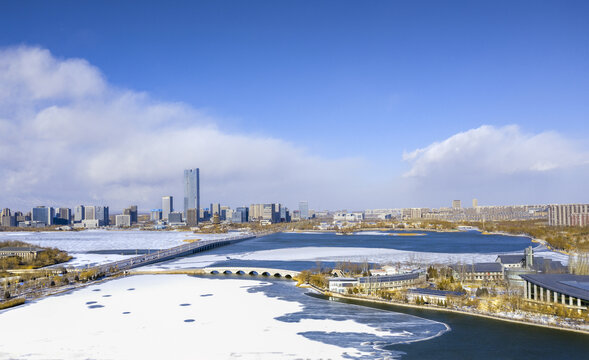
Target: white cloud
{"type": "Point", "coordinates": [502, 164]}
{"type": "Point", "coordinates": [67, 136]}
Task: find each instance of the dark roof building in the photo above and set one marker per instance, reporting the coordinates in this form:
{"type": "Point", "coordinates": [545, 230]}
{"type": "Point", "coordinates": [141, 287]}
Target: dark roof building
{"type": "Point", "coordinates": [567, 289]}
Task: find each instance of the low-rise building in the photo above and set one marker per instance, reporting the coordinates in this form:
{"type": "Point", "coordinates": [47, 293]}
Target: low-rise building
{"type": "Point", "coordinates": [431, 296]}
{"type": "Point", "coordinates": [491, 271]}
{"type": "Point", "coordinates": [373, 283]}
{"type": "Point", "coordinates": [27, 253]}
{"type": "Point", "coordinates": [566, 289]}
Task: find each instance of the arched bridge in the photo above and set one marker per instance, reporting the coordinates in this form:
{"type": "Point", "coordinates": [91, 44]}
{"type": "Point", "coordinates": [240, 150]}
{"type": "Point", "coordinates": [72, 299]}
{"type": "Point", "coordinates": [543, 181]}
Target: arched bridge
{"type": "Point", "coordinates": [280, 273]}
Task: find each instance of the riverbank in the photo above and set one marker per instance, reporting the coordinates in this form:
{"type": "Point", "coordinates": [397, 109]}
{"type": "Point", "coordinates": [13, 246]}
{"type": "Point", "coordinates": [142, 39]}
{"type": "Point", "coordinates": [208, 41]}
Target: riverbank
{"type": "Point", "coordinates": [374, 300]}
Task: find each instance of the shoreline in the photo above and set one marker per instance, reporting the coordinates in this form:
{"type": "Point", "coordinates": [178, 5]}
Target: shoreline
{"type": "Point", "coordinates": [455, 311]}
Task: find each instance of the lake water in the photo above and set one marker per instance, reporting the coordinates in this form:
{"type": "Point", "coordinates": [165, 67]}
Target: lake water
{"type": "Point", "coordinates": [245, 317]}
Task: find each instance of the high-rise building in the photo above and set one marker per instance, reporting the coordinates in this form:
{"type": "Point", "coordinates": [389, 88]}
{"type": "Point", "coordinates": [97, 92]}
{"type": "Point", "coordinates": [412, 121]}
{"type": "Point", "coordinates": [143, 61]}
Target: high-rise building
{"type": "Point", "coordinates": [192, 190]}
{"type": "Point", "coordinates": [132, 212]}
{"type": "Point", "coordinates": [175, 218]}
{"type": "Point", "coordinates": [123, 220]}
{"type": "Point", "coordinates": [256, 212]}
{"type": "Point", "coordinates": [215, 209]}
{"type": "Point", "coordinates": [43, 214]}
{"type": "Point", "coordinates": [156, 215]}
{"type": "Point", "coordinates": [63, 216]}
{"type": "Point", "coordinates": [240, 215]}
{"type": "Point", "coordinates": [456, 204]}
{"type": "Point", "coordinates": [79, 213]}
{"type": "Point", "coordinates": [101, 214]}
{"type": "Point", "coordinates": [567, 215]}
{"type": "Point", "coordinates": [304, 210]}
{"type": "Point", "coordinates": [475, 203]}
{"type": "Point", "coordinates": [191, 216]}
{"type": "Point", "coordinates": [167, 206]}
{"type": "Point", "coordinates": [89, 213]}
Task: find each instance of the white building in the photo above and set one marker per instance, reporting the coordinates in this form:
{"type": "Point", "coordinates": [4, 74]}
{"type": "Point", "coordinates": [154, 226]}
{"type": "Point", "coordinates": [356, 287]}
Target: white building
{"type": "Point", "coordinates": [123, 220]}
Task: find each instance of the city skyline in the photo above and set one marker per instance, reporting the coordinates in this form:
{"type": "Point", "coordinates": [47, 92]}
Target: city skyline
{"type": "Point", "coordinates": [400, 111]}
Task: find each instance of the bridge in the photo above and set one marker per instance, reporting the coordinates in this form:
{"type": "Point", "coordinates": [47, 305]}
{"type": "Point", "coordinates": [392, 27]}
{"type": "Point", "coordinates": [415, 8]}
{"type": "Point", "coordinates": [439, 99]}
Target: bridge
{"type": "Point", "coordinates": [224, 270]}
{"type": "Point", "coordinates": [288, 274]}
{"type": "Point", "coordinates": [168, 254]}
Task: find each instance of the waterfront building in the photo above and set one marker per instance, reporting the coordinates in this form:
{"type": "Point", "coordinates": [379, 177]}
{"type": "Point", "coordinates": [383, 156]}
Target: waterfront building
{"type": "Point", "coordinates": [256, 212]}
{"type": "Point", "coordinates": [167, 206]}
{"type": "Point", "coordinates": [27, 253]}
{"type": "Point", "coordinates": [566, 289]}
{"type": "Point", "coordinates": [349, 217]}
{"type": "Point", "coordinates": [90, 223]}
{"type": "Point", "coordinates": [566, 215]}
{"type": "Point", "coordinates": [304, 210]}
{"type": "Point", "coordinates": [79, 213]}
{"type": "Point", "coordinates": [43, 215]}
{"type": "Point", "coordinates": [8, 221]}
{"type": "Point", "coordinates": [431, 296]}
{"type": "Point", "coordinates": [123, 220]}
{"type": "Point", "coordinates": [155, 215]}
{"type": "Point", "coordinates": [381, 282]}
{"type": "Point", "coordinates": [192, 190]}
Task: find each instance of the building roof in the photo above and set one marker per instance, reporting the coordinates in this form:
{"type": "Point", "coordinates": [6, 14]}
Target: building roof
{"type": "Point", "coordinates": [434, 292]}
{"type": "Point", "coordinates": [479, 267]}
{"type": "Point", "coordinates": [341, 279]}
{"type": "Point", "coordinates": [19, 249]}
{"type": "Point", "coordinates": [388, 278]}
{"type": "Point", "coordinates": [510, 259]}
{"type": "Point", "coordinates": [572, 285]}
{"type": "Point", "coordinates": [548, 265]}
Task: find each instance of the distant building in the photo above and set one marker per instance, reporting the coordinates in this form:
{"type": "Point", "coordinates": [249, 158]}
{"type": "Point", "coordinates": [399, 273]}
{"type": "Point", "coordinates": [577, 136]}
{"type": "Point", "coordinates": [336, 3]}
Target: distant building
{"type": "Point", "coordinates": [192, 190]}
{"type": "Point", "coordinates": [156, 215]}
{"type": "Point", "coordinates": [101, 213]}
{"type": "Point", "coordinates": [175, 218]}
{"type": "Point", "coordinates": [456, 204]}
{"type": "Point", "coordinates": [240, 215]}
{"type": "Point", "coordinates": [43, 214]}
{"type": "Point", "coordinates": [167, 206]}
{"type": "Point", "coordinates": [431, 296]}
{"type": "Point", "coordinates": [215, 209]}
{"type": "Point", "coordinates": [79, 213]}
{"type": "Point", "coordinates": [191, 217]}
{"type": "Point", "coordinates": [132, 212]}
{"type": "Point", "coordinates": [475, 203]}
{"type": "Point", "coordinates": [304, 210]}
{"type": "Point", "coordinates": [64, 215]}
{"type": "Point", "coordinates": [90, 223]}
{"type": "Point", "coordinates": [123, 220]}
{"type": "Point", "coordinates": [567, 215]}
{"type": "Point", "coordinates": [89, 213]}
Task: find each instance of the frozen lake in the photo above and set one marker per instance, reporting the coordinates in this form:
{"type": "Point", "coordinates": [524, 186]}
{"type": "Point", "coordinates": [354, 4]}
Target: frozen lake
{"type": "Point", "coordinates": [183, 317]}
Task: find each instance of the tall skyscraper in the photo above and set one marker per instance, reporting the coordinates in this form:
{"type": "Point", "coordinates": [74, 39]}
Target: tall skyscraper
{"type": "Point", "coordinates": [79, 213]}
{"type": "Point", "coordinates": [43, 214]}
{"type": "Point", "coordinates": [304, 210]}
{"type": "Point", "coordinates": [456, 204]}
{"type": "Point", "coordinates": [475, 203]}
{"type": "Point", "coordinates": [191, 190]}
{"type": "Point", "coordinates": [167, 206]}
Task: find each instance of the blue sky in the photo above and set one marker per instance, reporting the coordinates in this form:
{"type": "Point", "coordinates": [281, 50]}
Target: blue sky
{"type": "Point", "coordinates": [366, 81]}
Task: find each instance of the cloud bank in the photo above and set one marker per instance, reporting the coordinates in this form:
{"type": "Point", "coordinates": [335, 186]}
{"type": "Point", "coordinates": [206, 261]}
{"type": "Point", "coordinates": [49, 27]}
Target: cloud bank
{"type": "Point", "coordinates": [502, 165]}
{"type": "Point", "coordinates": [67, 136]}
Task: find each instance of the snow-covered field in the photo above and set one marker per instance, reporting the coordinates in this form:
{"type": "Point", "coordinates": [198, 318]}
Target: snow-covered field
{"type": "Point", "coordinates": [182, 317]}
{"type": "Point", "coordinates": [92, 240]}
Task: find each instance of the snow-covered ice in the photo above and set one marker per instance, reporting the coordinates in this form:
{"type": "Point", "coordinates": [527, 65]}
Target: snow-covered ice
{"type": "Point", "coordinates": [174, 317]}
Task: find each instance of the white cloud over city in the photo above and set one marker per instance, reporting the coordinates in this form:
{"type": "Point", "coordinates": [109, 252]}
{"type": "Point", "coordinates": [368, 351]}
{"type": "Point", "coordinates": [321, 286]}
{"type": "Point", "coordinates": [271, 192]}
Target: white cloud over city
{"type": "Point", "coordinates": [68, 136]}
